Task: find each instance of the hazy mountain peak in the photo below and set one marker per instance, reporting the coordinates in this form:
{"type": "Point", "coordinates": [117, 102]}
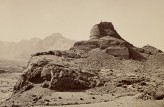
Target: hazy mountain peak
{"type": "Point", "coordinates": [35, 39]}
{"type": "Point", "coordinates": [25, 48]}
{"type": "Point", "coordinates": [54, 36]}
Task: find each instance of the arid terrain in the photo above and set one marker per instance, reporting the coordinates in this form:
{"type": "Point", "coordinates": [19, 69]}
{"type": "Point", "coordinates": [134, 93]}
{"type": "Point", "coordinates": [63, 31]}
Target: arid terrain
{"type": "Point", "coordinates": [105, 70]}
{"type": "Point", "coordinates": [10, 70]}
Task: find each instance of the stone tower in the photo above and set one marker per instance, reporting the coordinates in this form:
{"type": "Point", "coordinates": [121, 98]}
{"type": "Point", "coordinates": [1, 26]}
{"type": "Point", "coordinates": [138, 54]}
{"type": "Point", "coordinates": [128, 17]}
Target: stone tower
{"type": "Point", "coordinates": [95, 32]}
{"type": "Point", "coordinates": [103, 29]}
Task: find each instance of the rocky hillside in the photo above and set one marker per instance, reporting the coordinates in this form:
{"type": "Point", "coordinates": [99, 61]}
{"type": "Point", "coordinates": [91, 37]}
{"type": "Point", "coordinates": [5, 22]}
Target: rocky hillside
{"type": "Point", "coordinates": [24, 48]}
{"type": "Point", "coordinates": [106, 64]}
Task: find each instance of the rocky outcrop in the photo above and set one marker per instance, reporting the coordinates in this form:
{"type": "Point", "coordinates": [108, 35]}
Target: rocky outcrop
{"type": "Point", "coordinates": [64, 78]}
{"type": "Point", "coordinates": [79, 67]}
{"type": "Point", "coordinates": [56, 76]}
{"type": "Point", "coordinates": [151, 50]}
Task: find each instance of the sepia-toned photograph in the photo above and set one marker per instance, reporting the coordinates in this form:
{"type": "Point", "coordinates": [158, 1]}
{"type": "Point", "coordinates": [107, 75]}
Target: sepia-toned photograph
{"type": "Point", "coordinates": [81, 53]}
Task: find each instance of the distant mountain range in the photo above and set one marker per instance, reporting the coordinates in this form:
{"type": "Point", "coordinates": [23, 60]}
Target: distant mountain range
{"type": "Point", "coordinates": [24, 48]}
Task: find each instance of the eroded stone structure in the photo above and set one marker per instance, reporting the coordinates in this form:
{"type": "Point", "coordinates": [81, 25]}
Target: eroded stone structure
{"type": "Point", "coordinates": [103, 29]}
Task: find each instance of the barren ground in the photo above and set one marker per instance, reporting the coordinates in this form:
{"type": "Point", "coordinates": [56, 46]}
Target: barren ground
{"type": "Point", "coordinates": [77, 99]}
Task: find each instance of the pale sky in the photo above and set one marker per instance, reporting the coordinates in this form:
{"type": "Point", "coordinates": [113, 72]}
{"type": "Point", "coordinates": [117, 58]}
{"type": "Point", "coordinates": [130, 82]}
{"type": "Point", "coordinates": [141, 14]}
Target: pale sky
{"type": "Point", "coordinates": [140, 22]}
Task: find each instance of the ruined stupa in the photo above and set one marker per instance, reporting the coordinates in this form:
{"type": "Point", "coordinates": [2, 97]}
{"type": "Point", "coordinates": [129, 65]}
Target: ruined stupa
{"type": "Point", "coordinates": [105, 37]}
{"type": "Point", "coordinates": [103, 29]}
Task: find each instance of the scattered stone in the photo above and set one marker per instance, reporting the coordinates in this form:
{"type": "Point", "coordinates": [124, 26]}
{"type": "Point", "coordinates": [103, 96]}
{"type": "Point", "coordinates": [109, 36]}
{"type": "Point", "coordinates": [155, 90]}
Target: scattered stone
{"type": "Point", "coordinates": [60, 97]}
{"type": "Point", "coordinates": [93, 98]}
{"type": "Point", "coordinates": [81, 99]}
{"type": "Point", "coordinates": [45, 84]}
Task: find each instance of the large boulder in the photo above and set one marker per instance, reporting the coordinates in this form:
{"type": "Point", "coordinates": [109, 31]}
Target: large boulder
{"type": "Point", "coordinates": [64, 78]}
{"type": "Point", "coordinates": [56, 76]}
